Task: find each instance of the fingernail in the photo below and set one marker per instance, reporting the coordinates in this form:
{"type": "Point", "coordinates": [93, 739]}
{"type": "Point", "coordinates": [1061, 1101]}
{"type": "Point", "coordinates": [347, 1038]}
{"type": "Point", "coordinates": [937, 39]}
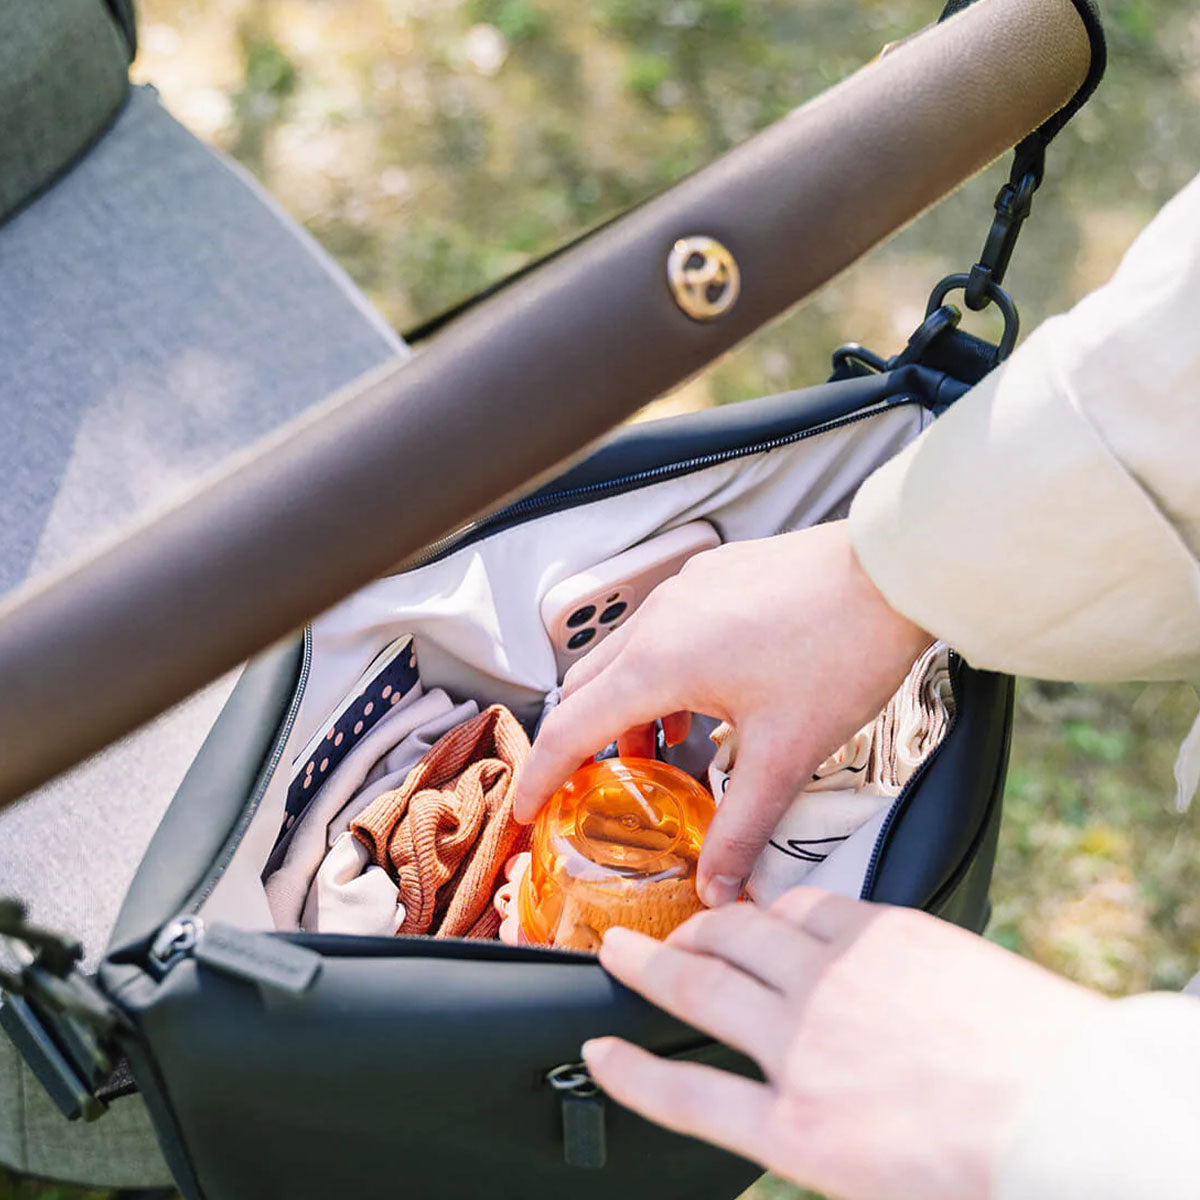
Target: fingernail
{"type": "Point", "coordinates": [593, 1050]}
{"type": "Point", "coordinates": [720, 889]}
{"type": "Point", "coordinates": [522, 809]}
{"type": "Point", "coordinates": [614, 938]}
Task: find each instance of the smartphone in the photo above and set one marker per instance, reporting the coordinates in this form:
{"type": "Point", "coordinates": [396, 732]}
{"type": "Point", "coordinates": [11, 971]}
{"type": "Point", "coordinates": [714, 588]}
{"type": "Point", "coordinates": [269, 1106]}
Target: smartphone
{"type": "Point", "coordinates": [583, 609]}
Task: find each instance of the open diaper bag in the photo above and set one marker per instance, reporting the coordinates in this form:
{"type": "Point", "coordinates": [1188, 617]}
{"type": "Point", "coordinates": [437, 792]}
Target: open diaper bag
{"type": "Point", "coordinates": [311, 1064]}
{"type": "Point", "coordinates": [280, 1059]}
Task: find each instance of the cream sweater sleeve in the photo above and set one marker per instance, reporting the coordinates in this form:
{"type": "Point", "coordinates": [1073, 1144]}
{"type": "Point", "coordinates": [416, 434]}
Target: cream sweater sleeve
{"type": "Point", "coordinates": [1049, 525]}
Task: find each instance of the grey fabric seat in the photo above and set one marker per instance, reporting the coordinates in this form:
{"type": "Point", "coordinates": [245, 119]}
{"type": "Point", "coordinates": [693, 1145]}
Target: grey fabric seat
{"type": "Point", "coordinates": [157, 312]}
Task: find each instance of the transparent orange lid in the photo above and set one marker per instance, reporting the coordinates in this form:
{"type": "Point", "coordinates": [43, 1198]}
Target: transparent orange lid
{"type": "Point", "coordinates": [616, 845]}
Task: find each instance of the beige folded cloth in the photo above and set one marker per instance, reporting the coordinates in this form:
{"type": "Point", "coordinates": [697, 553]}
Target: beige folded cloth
{"type": "Point", "coordinates": [349, 895]}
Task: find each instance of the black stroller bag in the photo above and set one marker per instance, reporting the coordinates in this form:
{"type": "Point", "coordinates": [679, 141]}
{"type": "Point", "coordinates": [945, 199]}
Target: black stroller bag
{"type": "Point", "coordinates": [355, 1065]}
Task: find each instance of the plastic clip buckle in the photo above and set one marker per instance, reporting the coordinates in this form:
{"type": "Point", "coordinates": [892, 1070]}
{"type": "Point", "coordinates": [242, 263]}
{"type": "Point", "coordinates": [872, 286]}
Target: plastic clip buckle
{"type": "Point", "coordinates": [995, 295]}
{"type": "Point", "coordinates": [1013, 204]}
{"type": "Point", "coordinates": [55, 1016]}
{"type": "Point", "coordinates": [73, 1095]}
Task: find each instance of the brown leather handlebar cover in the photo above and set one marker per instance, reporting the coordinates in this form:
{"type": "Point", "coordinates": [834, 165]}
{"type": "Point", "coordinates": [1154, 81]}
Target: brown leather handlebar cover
{"type": "Point", "coordinates": [520, 384]}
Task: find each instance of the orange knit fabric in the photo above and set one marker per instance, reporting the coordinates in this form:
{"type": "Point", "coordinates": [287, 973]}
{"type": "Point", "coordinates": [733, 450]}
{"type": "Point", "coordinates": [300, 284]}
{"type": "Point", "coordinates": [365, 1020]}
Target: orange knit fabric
{"type": "Point", "coordinates": [445, 834]}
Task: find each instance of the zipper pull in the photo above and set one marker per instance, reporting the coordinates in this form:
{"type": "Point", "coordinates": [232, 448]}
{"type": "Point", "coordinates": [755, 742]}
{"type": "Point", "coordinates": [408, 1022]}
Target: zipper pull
{"type": "Point", "coordinates": [584, 1140]}
{"type": "Point", "coordinates": [175, 941]}
{"type": "Point", "coordinates": [255, 957]}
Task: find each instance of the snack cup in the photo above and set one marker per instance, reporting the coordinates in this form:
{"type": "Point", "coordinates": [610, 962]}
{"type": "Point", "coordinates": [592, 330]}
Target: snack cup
{"type": "Point", "coordinates": [617, 844]}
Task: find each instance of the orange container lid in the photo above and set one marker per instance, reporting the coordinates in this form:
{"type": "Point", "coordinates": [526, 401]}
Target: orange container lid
{"type": "Point", "coordinates": [617, 844]}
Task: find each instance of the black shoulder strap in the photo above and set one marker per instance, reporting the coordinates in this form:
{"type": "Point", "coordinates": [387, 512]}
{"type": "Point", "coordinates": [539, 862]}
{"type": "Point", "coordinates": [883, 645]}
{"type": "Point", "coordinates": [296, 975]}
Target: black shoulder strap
{"type": "Point", "coordinates": [982, 284]}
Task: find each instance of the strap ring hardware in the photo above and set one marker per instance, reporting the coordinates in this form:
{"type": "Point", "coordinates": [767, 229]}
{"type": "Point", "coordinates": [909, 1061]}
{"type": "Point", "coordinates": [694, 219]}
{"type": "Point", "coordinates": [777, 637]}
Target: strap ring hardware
{"type": "Point", "coordinates": [996, 295]}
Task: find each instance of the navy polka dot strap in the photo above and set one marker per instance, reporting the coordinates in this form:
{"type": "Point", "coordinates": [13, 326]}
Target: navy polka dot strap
{"type": "Point", "coordinates": [385, 689]}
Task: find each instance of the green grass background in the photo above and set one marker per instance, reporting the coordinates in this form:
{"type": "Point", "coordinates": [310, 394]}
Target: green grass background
{"type": "Point", "coordinates": [433, 145]}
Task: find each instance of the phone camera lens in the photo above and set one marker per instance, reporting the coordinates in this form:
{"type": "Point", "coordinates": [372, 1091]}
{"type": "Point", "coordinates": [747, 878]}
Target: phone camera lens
{"type": "Point", "coordinates": [578, 640]}
{"type": "Point", "coordinates": [612, 612]}
{"type": "Point", "coordinates": [581, 616]}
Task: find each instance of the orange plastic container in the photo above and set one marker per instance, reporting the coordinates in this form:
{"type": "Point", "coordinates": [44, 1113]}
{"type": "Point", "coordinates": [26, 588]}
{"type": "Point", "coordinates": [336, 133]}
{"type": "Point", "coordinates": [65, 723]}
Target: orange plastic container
{"type": "Point", "coordinates": [616, 845]}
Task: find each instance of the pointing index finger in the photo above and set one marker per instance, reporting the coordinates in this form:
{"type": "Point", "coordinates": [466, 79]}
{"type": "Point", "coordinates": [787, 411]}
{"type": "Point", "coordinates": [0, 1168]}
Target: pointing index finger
{"type": "Point", "coordinates": [764, 781]}
{"type": "Point", "coordinates": [586, 721]}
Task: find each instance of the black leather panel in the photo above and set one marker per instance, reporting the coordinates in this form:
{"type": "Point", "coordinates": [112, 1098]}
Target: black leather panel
{"type": "Point", "coordinates": [213, 795]}
{"type": "Point", "coordinates": [414, 1076]}
{"type": "Point", "coordinates": [947, 817]}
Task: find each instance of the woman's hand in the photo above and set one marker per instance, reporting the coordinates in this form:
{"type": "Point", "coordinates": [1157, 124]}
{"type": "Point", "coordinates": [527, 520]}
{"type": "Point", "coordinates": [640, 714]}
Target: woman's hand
{"type": "Point", "coordinates": [897, 1049]}
{"type": "Point", "coordinates": [785, 638]}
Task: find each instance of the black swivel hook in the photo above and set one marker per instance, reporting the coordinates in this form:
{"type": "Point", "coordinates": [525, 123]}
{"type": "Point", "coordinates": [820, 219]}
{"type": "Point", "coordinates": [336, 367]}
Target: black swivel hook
{"type": "Point", "coordinates": [1013, 203]}
{"type": "Point", "coordinates": [980, 286]}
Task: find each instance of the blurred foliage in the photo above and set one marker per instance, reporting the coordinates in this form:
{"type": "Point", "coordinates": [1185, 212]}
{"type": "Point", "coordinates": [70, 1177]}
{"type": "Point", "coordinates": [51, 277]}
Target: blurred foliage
{"type": "Point", "coordinates": [33, 1189]}
{"type": "Point", "coordinates": [434, 145]}
{"type": "Point", "coordinates": [1097, 876]}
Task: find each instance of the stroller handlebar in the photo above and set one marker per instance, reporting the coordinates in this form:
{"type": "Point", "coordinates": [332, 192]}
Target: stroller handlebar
{"type": "Point", "coordinates": [520, 384]}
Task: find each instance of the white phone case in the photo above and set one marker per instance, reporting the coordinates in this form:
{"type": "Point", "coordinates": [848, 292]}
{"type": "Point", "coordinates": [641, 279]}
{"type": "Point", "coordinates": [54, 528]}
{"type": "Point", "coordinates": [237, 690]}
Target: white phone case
{"type": "Point", "coordinates": [585, 608]}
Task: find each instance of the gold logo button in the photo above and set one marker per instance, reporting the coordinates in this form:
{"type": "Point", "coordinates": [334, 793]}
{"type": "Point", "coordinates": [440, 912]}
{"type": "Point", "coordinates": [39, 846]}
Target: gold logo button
{"type": "Point", "coordinates": [704, 277]}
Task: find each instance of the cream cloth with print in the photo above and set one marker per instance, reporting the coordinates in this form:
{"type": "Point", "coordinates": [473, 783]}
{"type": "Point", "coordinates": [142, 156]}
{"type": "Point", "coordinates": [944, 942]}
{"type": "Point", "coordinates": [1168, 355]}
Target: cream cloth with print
{"type": "Point", "coordinates": [914, 721]}
{"type": "Point", "coordinates": [814, 826]}
{"type": "Point", "coordinates": [852, 785]}
{"type": "Point", "coordinates": [845, 769]}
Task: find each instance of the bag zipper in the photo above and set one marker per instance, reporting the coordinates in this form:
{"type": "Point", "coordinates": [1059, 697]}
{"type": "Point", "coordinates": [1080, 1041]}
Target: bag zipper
{"type": "Point", "coordinates": [535, 505]}
{"type": "Point", "coordinates": [183, 935]}
{"type": "Point", "coordinates": [174, 942]}
{"type": "Point", "coordinates": [205, 887]}
{"type": "Point", "coordinates": [903, 794]}
{"type": "Point", "coordinates": [258, 958]}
